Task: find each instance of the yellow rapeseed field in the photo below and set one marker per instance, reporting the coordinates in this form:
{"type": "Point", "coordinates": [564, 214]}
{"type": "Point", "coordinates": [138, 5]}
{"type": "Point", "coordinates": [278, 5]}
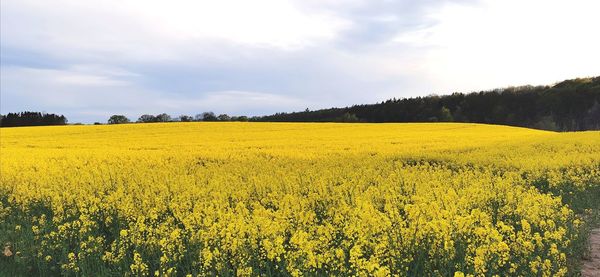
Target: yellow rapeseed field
{"type": "Point", "coordinates": [272, 199]}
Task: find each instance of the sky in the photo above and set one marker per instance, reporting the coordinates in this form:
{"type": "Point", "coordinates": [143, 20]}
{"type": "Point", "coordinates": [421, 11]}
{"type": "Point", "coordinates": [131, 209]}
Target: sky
{"type": "Point", "coordinates": [89, 59]}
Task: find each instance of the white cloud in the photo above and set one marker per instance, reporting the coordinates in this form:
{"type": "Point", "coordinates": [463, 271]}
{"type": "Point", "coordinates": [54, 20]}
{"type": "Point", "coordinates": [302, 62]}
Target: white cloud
{"type": "Point", "coordinates": [511, 42]}
{"type": "Point", "coordinates": [273, 23]}
{"type": "Point", "coordinates": [158, 30]}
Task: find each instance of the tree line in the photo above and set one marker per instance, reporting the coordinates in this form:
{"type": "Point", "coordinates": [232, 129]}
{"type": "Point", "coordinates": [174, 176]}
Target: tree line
{"type": "Point", "coordinates": [31, 119]}
{"type": "Point", "coordinates": [163, 117]}
{"type": "Point", "coordinates": [571, 105]}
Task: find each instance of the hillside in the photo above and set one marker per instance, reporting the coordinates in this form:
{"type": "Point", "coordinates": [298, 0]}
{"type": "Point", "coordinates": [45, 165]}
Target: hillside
{"type": "Point", "coordinates": [571, 105]}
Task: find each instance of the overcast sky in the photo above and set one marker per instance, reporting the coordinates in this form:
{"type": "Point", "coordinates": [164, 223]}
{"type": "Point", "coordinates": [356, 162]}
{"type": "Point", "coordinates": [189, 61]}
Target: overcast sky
{"type": "Point", "coordinates": [88, 59]}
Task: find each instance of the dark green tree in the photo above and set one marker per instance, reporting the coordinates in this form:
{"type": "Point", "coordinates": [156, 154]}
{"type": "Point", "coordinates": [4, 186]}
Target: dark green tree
{"type": "Point", "coordinates": [209, 116]}
{"type": "Point", "coordinates": [185, 118]}
{"type": "Point", "coordinates": [118, 119]}
{"type": "Point", "coordinates": [347, 117]}
{"type": "Point", "coordinates": [31, 119]}
{"type": "Point", "coordinates": [146, 118]}
{"type": "Point", "coordinates": [223, 117]}
{"type": "Point", "coordinates": [163, 117]}
{"type": "Point", "coordinates": [445, 115]}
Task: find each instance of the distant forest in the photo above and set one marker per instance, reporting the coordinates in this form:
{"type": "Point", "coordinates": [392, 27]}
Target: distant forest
{"type": "Point", "coordinates": [571, 105]}
{"type": "Point", "coordinates": [31, 119]}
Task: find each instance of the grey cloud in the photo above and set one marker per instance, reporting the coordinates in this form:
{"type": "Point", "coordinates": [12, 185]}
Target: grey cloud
{"type": "Point", "coordinates": [90, 96]}
{"type": "Point", "coordinates": [378, 21]}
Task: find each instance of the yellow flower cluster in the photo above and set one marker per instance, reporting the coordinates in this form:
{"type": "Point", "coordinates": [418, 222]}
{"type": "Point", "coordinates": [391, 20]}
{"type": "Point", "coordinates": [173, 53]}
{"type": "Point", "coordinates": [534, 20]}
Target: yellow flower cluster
{"type": "Point", "coordinates": [267, 199]}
